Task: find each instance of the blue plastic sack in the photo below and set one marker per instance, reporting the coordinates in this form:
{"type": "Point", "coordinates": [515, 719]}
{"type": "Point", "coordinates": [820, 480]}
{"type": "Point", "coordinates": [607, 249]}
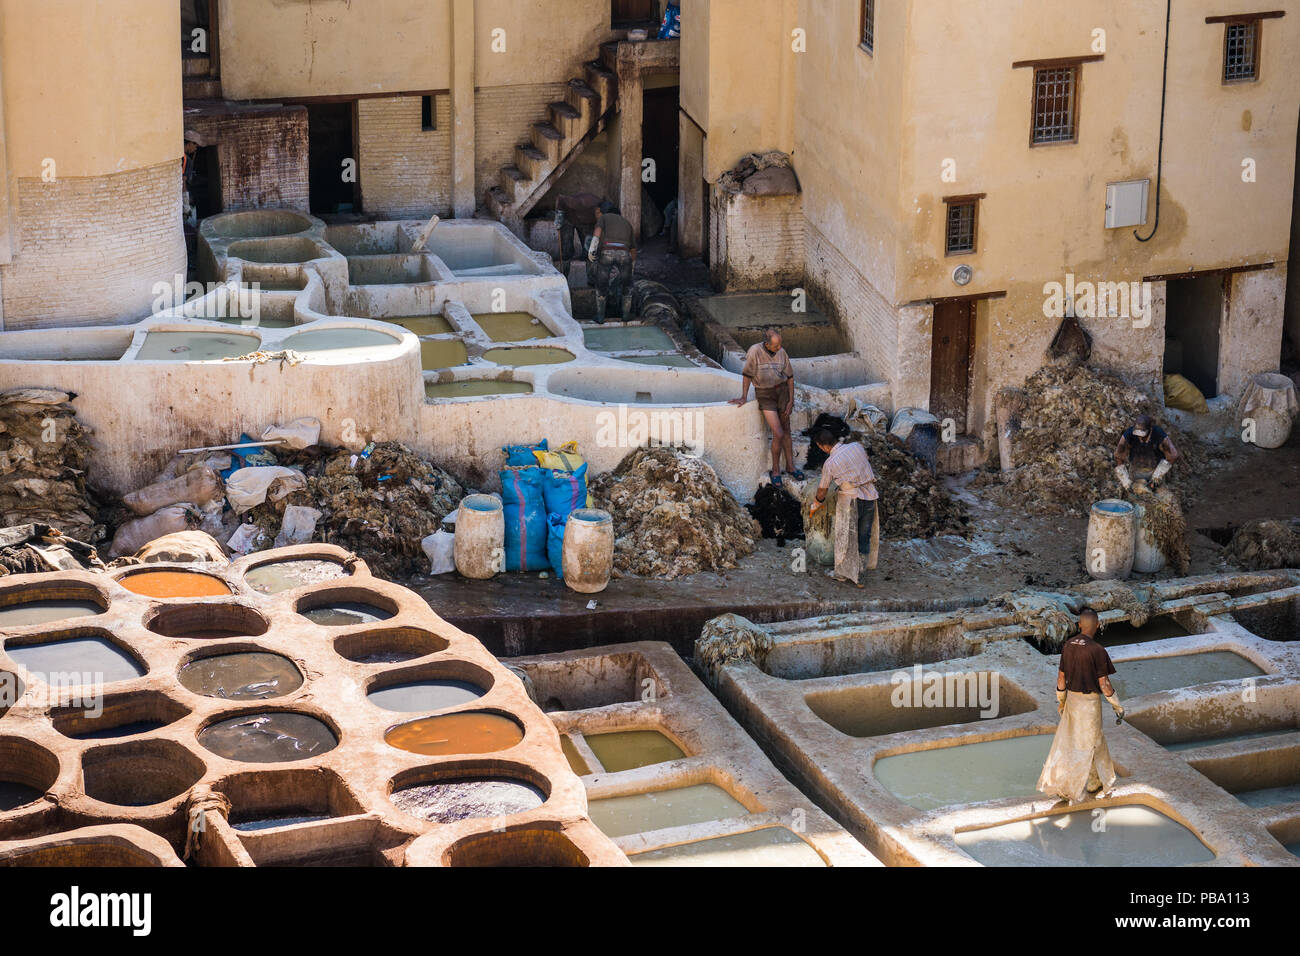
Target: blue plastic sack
{"type": "Point", "coordinates": [671, 27]}
{"type": "Point", "coordinates": [564, 490]}
{"type": "Point", "coordinates": [555, 543]}
{"type": "Point", "coordinates": [525, 516]}
{"type": "Point", "coordinates": [521, 456]}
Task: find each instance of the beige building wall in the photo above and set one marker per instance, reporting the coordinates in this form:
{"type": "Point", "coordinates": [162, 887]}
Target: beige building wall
{"type": "Point", "coordinates": [405, 170]}
{"type": "Point", "coordinates": [92, 147]}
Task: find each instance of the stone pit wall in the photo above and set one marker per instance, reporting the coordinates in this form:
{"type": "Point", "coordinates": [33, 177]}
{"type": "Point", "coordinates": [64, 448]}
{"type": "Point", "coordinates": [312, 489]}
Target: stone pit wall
{"type": "Point", "coordinates": [755, 242]}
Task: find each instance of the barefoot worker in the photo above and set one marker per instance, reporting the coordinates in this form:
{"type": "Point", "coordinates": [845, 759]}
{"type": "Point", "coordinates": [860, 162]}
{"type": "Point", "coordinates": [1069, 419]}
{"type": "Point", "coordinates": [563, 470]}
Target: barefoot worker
{"type": "Point", "coordinates": [1079, 762]}
{"type": "Point", "coordinates": [768, 369]}
{"type": "Point", "coordinates": [857, 519]}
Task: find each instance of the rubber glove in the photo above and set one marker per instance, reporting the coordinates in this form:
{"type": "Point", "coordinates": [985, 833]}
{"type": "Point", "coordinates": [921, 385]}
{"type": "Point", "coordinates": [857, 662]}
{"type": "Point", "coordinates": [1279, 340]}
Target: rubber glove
{"type": "Point", "coordinates": [1121, 472]}
{"type": "Point", "coordinates": [1116, 706]}
{"type": "Point", "coordinates": [1162, 469]}
{"type": "Point", "coordinates": [1060, 701]}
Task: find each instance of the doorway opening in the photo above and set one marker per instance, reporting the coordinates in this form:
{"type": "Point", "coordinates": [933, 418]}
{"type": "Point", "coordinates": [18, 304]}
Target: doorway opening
{"type": "Point", "coordinates": [952, 357]}
{"type": "Point", "coordinates": [660, 139]}
{"type": "Point", "coordinates": [626, 14]}
{"type": "Point", "coordinates": [1193, 318]}
{"type": "Point", "coordinates": [333, 166]}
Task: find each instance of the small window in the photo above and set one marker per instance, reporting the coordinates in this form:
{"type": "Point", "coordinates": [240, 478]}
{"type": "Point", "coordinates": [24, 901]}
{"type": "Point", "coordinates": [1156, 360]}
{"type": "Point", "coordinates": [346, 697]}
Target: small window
{"type": "Point", "coordinates": [962, 223]}
{"type": "Point", "coordinates": [1241, 51]}
{"type": "Point", "coordinates": [868, 37]}
{"type": "Point", "coordinates": [1055, 104]}
{"type": "Point", "coordinates": [428, 116]}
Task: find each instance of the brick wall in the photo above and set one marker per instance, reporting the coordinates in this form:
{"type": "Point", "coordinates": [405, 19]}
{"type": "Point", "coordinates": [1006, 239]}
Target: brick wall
{"type": "Point", "coordinates": [89, 250]}
{"type": "Point", "coordinates": [756, 242]}
{"type": "Point", "coordinates": [405, 169]}
{"type": "Point", "coordinates": [263, 155]}
{"type": "Point", "coordinates": [503, 117]}
{"type": "Point", "coordinates": [871, 322]}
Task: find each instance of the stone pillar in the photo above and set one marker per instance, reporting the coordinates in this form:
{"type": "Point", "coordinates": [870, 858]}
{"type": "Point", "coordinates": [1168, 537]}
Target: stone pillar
{"type": "Point", "coordinates": [463, 200]}
{"type": "Point", "coordinates": [630, 107]}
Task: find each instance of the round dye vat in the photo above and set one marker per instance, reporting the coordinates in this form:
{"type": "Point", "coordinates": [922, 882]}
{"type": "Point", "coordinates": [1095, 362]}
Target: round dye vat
{"type": "Point", "coordinates": [527, 356]}
{"type": "Point", "coordinates": [173, 584]}
{"type": "Point", "coordinates": [14, 795]}
{"type": "Point", "coordinates": [286, 575]}
{"type": "Point", "coordinates": [328, 340]}
{"type": "Point", "coordinates": [268, 738]}
{"type": "Point", "coordinates": [43, 612]}
{"type": "Point", "coordinates": [425, 695]}
{"type": "Point", "coordinates": [467, 800]}
{"type": "Point", "coordinates": [476, 732]}
{"type": "Point", "coordinates": [470, 387]}
{"type": "Point", "coordinates": [93, 658]}
{"type": "Point", "coordinates": [252, 675]}
{"type": "Point", "coordinates": [195, 346]}
{"type": "Point", "coordinates": [344, 613]}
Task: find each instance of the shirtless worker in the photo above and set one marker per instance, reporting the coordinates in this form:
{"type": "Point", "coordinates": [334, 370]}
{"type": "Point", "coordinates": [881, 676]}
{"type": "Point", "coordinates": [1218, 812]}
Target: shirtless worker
{"type": "Point", "coordinates": [857, 517]}
{"type": "Point", "coordinates": [1079, 762]}
{"type": "Point", "coordinates": [768, 369]}
{"type": "Point", "coordinates": [1150, 451]}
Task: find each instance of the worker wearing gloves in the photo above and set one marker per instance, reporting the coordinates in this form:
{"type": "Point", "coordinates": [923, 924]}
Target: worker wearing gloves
{"type": "Point", "coordinates": [1079, 762]}
{"type": "Point", "coordinates": [613, 253]}
{"type": "Point", "coordinates": [1148, 449]}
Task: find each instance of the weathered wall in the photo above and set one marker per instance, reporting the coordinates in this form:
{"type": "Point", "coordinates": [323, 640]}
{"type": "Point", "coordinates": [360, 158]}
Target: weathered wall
{"type": "Point", "coordinates": [92, 145]}
{"type": "Point", "coordinates": [756, 242]}
{"type": "Point", "coordinates": [263, 153]}
{"type": "Point", "coordinates": [344, 47]}
{"type": "Point", "coordinates": [503, 117]}
{"type": "Point", "coordinates": [405, 170]}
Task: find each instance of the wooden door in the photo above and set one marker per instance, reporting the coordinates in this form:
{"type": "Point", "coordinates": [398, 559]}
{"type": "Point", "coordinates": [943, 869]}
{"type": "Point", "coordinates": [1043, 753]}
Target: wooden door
{"type": "Point", "coordinates": [951, 352]}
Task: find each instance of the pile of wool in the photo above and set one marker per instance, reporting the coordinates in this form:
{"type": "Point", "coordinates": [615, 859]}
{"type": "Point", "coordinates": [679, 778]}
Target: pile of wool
{"type": "Point", "coordinates": [672, 516]}
{"type": "Point", "coordinates": [1164, 520]}
{"type": "Point", "coordinates": [44, 451]}
{"type": "Point", "coordinates": [380, 509]}
{"type": "Point", "coordinates": [913, 502]}
{"type": "Point", "coordinates": [730, 639]}
{"type": "Point", "coordinates": [1266, 543]}
{"type": "Point", "coordinates": [1063, 452]}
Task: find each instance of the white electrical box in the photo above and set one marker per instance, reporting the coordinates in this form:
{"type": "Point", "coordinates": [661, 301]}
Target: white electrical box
{"type": "Point", "coordinates": [1126, 203]}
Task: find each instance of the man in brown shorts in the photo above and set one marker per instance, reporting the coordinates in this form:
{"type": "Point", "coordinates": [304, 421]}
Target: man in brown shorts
{"type": "Point", "coordinates": [1079, 762]}
{"type": "Point", "coordinates": [768, 369]}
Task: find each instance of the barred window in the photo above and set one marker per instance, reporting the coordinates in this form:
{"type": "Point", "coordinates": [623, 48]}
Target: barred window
{"type": "Point", "coordinates": [1055, 101]}
{"type": "Point", "coordinates": [1241, 51]}
{"type": "Point", "coordinates": [959, 235]}
{"type": "Point", "coordinates": [869, 25]}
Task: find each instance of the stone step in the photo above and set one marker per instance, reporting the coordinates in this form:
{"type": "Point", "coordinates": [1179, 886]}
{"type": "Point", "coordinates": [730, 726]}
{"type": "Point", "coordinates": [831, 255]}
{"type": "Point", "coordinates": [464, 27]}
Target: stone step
{"type": "Point", "coordinates": [514, 182]}
{"type": "Point", "coordinates": [955, 457]}
{"type": "Point", "coordinates": [532, 161]}
{"type": "Point", "coordinates": [548, 140]}
{"type": "Point", "coordinates": [585, 100]}
{"type": "Point", "coordinates": [566, 119]}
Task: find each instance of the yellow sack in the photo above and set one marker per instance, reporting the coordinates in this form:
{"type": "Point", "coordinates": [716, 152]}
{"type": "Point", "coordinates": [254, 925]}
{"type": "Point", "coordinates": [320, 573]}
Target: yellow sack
{"type": "Point", "coordinates": [1183, 395]}
{"type": "Point", "coordinates": [565, 457]}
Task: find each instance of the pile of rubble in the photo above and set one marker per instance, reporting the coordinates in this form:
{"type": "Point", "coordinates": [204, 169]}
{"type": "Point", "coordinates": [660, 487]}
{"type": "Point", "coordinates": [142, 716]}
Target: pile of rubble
{"type": "Point", "coordinates": [1266, 543]}
{"type": "Point", "coordinates": [1070, 420]}
{"type": "Point", "coordinates": [672, 516]}
{"type": "Point", "coordinates": [379, 507]}
{"type": "Point", "coordinates": [43, 456]}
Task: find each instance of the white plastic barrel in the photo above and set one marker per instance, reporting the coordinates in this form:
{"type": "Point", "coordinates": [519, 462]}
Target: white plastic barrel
{"type": "Point", "coordinates": [1270, 403]}
{"type": "Point", "coordinates": [1111, 530]}
{"type": "Point", "coordinates": [480, 543]}
{"type": "Point", "coordinates": [1147, 556]}
{"type": "Point", "coordinates": [588, 550]}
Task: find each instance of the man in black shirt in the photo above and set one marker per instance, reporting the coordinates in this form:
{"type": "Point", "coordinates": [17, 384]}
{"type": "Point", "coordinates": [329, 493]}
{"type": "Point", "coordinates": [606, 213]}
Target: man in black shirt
{"type": "Point", "coordinates": [1079, 762]}
{"type": "Point", "coordinates": [1149, 449]}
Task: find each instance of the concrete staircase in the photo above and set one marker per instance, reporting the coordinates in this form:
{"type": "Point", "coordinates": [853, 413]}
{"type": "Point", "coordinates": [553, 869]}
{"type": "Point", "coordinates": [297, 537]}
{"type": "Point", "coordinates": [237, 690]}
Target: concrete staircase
{"type": "Point", "coordinates": [197, 83]}
{"type": "Point", "coordinates": [555, 142]}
